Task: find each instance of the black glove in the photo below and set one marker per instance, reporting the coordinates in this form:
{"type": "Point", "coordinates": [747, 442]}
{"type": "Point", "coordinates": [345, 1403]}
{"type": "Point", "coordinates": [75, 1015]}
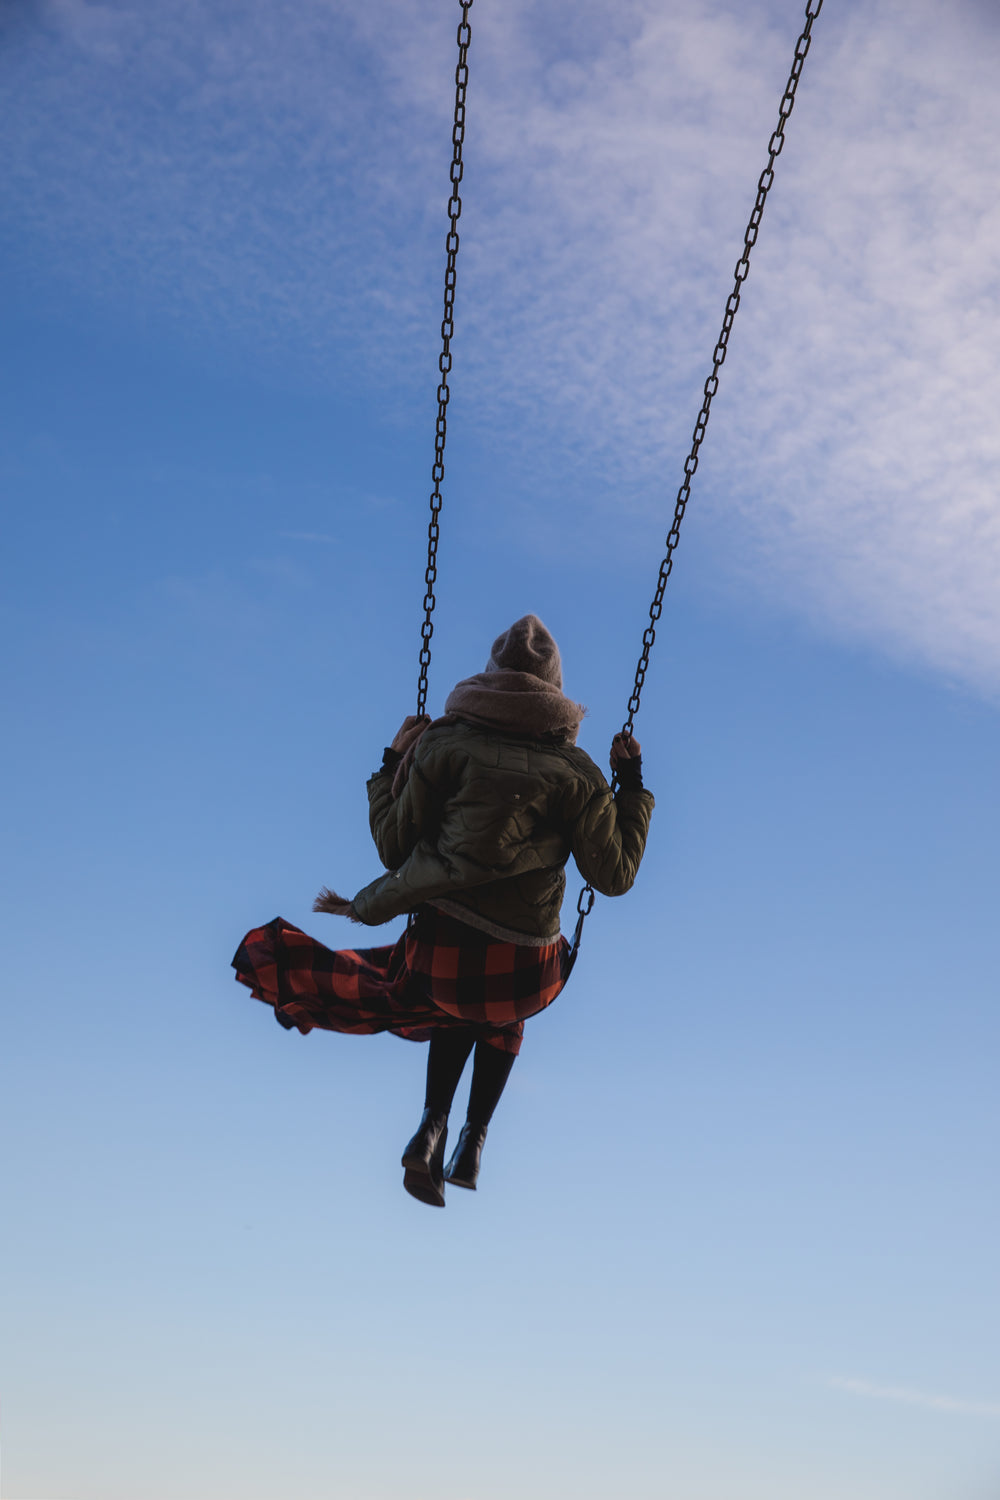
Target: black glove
{"type": "Point", "coordinates": [629, 774]}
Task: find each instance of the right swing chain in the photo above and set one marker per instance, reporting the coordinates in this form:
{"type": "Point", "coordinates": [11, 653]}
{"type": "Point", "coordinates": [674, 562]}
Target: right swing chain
{"type": "Point", "coordinates": [586, 899]}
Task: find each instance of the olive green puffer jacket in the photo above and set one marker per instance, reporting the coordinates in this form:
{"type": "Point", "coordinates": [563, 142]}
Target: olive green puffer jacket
{"type": "Point", "coordinates": [485, 824]}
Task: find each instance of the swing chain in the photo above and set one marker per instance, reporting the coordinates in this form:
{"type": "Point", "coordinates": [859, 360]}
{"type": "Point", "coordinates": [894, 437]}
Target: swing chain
{"type": "Point", "coordinates": [444, 360]}
{"type": "Point", "coordinates": [742, 271]}
{"type": "Point", "coordinates": [764, 184]}
{"type": "Point", "coordinates": [584, 906]}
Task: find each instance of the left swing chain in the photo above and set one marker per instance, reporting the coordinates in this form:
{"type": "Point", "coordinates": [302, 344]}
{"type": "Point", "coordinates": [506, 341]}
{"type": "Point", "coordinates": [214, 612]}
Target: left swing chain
{"type": "Point", "coordinates": [444, 361]}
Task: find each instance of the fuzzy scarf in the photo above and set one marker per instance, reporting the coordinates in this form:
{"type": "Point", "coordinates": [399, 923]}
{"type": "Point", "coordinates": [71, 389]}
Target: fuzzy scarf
{"type": "Point", "coordinates": [515, 702]}
{"type": "Point", "coordinates": [508, 701]}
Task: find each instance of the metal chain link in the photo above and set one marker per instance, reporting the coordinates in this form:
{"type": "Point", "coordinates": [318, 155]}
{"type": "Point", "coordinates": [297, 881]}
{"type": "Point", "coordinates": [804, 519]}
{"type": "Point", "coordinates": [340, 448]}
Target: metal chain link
{"type": "Point", "coordinates": [464, 36]}
{"type": "Point", "coordinates": [764, 184]}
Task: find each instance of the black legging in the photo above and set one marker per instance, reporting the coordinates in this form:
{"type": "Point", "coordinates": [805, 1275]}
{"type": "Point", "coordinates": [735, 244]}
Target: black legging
{"type": "Point", "coordinates": [449, 1052]}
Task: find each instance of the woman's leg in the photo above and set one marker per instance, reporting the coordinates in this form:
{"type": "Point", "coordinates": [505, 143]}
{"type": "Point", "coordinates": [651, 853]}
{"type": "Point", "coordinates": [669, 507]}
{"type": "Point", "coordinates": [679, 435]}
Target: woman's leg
{"type": "Point", "coordinates": [447, 1055]}
{"type": "Point", "coordinates": [423, 1158]}
{"type": "Point", "coordinates": [490, 1071]}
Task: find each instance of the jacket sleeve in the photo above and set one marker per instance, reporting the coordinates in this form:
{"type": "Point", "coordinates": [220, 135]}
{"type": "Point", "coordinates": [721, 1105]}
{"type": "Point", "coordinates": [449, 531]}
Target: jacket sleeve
{"type": "Point", "coordinates": [608, 838]}
{"type": "Point", "coordinates": [398, 824]}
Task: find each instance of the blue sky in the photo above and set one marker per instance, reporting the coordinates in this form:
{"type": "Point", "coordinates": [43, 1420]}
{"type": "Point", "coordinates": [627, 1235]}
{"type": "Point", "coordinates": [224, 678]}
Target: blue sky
{"type": "Point", "coordinates": [736, 1235]}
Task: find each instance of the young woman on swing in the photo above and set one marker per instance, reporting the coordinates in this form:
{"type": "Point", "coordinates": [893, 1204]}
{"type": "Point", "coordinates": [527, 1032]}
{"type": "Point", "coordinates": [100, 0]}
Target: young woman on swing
{"type": "Point", "coordinates": [474, 817]}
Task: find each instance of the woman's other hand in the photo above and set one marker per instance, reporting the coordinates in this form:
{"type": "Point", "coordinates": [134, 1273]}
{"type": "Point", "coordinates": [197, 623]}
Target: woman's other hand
{"type": "Point", "coordinates": [624, 747]}
{"type": "Point", "coordinates": [329, 901]}
{"type": "Point", "coordinates": [409, 732]}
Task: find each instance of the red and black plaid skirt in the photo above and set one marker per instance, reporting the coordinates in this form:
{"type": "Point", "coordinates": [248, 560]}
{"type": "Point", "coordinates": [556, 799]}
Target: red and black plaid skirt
{"type": "Point", "coordinates": [441, 972]}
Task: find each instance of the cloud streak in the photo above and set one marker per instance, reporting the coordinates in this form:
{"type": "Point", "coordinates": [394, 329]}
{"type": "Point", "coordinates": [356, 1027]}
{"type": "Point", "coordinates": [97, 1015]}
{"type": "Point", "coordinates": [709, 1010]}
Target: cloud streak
{"type": "Point", "coordinates": [278, 172]}
{"type": "Point", "coordinates": [916, 1398]}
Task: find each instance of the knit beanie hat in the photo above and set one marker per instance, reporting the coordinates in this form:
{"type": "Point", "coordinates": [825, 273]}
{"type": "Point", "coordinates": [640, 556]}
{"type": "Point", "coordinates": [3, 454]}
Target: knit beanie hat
{"type": "Point", "coordinates": [527, 647]}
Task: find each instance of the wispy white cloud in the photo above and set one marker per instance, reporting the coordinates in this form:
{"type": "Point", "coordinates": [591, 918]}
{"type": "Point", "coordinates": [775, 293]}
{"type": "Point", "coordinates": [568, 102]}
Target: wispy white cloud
{"type": "Point", "coordinates": [281, 168]}
{"type": "Point", "coordinates": [917, 1398]}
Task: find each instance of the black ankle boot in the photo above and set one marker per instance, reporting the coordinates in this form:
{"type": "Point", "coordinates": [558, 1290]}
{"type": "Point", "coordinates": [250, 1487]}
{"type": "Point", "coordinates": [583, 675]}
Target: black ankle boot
{"type": "Point", "coordinates": [423, 1160]}
{"type": "Point", "coordinates": [463, 1169]}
